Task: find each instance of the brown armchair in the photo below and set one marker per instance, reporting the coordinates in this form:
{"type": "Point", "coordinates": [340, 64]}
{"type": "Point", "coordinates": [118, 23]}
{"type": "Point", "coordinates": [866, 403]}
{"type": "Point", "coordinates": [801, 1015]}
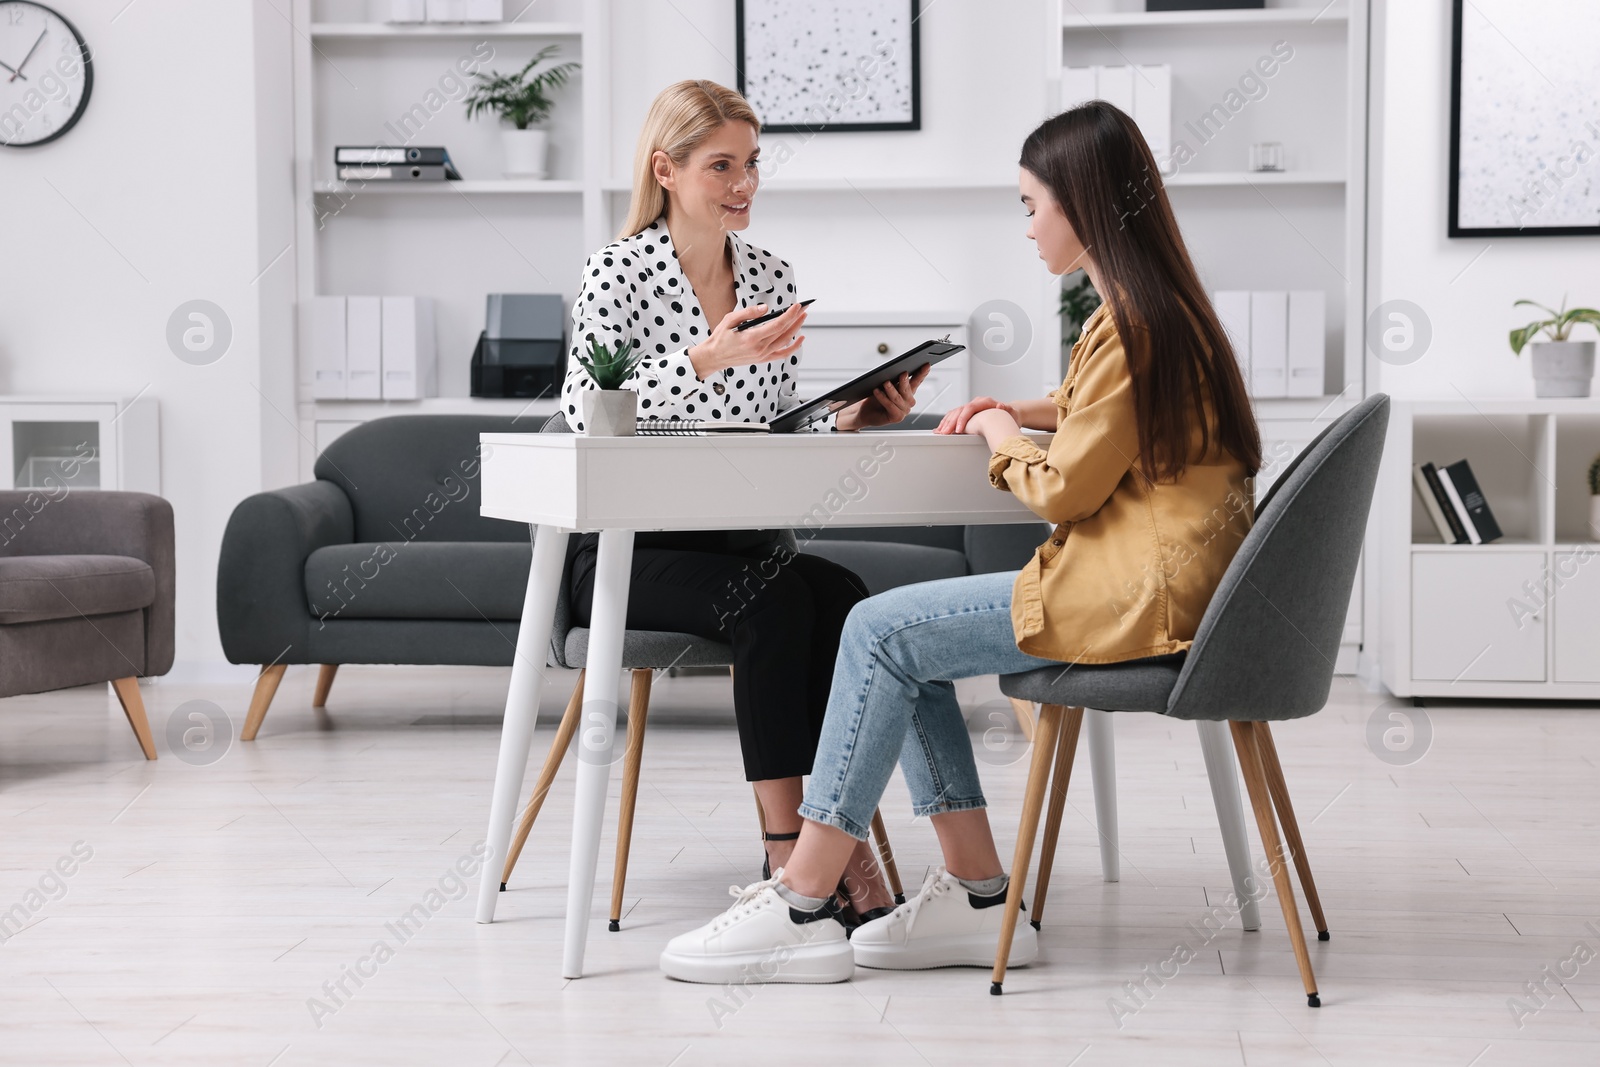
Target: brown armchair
{"type": "Point", "coordinates": [86, 593]}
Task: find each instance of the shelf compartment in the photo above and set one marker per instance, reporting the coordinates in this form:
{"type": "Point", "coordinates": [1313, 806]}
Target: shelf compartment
{"type": "Point", "coordinates": [1247, 178]}
{"type": "Point", "coordinates": [1577, 445]}
{"type": "Point", "coordinates": [377, 31]}
{"type": "Point", "coordinates": [1074, 22]}
{"type": "Point", "coordinates": [433, 188]}
{"type": "Point", "coordinates": [1512, 458]}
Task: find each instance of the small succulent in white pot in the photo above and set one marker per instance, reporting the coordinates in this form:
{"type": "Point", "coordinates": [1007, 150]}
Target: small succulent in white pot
{"type": "Point", "coordinates": [608, 410]}
{"type": "Point", "coordinates": [1561, 366]}
{"type": "Point", "coordinates": [524, 102]}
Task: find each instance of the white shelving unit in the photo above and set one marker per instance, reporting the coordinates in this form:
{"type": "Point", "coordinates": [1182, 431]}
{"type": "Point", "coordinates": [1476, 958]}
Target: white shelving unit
{"type": "Point", "coordinates": [1518, 618]}
{"type": "Point", "coordinates": [363, 82]}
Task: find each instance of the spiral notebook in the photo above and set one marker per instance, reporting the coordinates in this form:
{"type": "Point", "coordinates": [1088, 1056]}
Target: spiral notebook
{"type": "Point", "coordinates": [694, 427]}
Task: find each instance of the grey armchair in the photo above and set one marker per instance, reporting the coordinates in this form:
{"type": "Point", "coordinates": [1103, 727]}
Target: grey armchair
{"type": "Point", "coordinates": [1264, 651]}
{"type": "Point", "coordinates": [87, 594]}
{"type": "Point", "coordinates": [385, 559]}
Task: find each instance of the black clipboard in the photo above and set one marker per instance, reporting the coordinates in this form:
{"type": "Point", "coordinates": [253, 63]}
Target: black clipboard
{"type": "Point", "coordinates": [798, 418]}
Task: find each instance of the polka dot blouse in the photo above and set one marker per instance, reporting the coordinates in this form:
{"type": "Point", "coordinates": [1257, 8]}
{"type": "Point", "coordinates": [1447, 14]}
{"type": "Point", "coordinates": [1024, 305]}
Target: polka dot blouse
{"type": "Point", "coordinates": [635, 289]}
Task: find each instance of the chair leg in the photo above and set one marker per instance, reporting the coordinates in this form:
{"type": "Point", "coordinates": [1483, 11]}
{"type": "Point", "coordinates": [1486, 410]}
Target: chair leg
{"type": "Point", "coordinates": [886, 856]}
{"type": "Point", "coordinates": [261, 699]}
{"type": "Point", "coordinates": [1223, 774]}
{"type": "Point", "coordinates": [1103, 764]}
{"type": "Point", "coordinates": [127, 690]}
{"type": "Point", "coordinates": [1044, 744]}
{"type": "Point", "coordinates": [1255, 781]}
{"type": "Point", "coordinates": [552, 763]}
{"type": "Point", "coordinates": [325, 673]}
{"type": "Point", "coordinates": [638, 710]}
{"type": "Point", "coordinates": [1291, 829]}
{"type": "Point", "coordinates": [1066, 750]}
{"type": "Point", "coordinates": [1024, 710]}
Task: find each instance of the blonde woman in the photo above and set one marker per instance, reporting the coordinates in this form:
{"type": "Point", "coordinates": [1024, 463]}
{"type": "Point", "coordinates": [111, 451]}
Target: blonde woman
{"type": "Point", "coordinates": [677, 282]}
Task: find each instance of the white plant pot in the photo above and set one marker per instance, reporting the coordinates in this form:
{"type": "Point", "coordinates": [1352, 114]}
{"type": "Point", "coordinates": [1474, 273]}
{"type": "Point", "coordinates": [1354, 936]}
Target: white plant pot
{"type": "Point", "coordinates": [523, 153]}
{"type": "Point", "coordinates": [608, 412]}
{"type": "Point", "coordinates": [1562, 368]}
{"type": "Point", "coordinates": [1594, 518]}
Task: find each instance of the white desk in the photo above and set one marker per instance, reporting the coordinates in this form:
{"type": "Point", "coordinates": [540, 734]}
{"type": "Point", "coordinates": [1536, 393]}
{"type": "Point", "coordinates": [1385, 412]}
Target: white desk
{"type": "Point", "coordinates": [565, 482]}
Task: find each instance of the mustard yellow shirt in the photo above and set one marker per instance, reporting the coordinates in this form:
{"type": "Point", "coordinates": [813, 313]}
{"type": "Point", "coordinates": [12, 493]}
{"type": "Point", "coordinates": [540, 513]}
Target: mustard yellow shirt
{"type": "Point", "coordinates": [1132, 564]}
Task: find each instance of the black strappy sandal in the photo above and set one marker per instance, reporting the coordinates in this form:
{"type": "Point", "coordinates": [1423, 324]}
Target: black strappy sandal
{"type": "Point", "coordinates": [766, 864]}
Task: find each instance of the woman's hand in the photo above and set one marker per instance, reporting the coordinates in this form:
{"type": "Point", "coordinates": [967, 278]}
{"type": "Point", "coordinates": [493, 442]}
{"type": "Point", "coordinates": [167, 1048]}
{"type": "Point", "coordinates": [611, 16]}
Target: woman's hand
{"type": "Point", "coordinates": [730, 347]}
{"type": "Point", "coordinates": [888, 404]}
{"type": "Point", "coordinates": [995, 425]}
{"type": "Point", "coordinates": [956, 421]}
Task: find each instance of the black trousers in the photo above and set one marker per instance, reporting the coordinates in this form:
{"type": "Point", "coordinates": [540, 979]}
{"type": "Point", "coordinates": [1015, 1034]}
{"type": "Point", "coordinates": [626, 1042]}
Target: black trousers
{"type": "Point", "coordinates": [781, 611]}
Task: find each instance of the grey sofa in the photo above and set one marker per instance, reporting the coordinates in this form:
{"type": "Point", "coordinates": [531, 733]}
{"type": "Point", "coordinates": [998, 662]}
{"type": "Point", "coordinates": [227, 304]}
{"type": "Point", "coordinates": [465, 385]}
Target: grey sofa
{"type": "Point", "coordinates": [385, 559]}
{"type": "Point", "coordinates": [87, 593]}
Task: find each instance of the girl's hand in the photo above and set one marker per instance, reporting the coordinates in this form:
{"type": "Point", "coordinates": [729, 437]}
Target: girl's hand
{"type": "Point", "coordinates": [995, 425]}
{"type": "Point", "coordinates": [956, 421]}
{"type": "Point", "coordinates": [888, 404]}
{"type": "Point", "coordinates": [730, 347]}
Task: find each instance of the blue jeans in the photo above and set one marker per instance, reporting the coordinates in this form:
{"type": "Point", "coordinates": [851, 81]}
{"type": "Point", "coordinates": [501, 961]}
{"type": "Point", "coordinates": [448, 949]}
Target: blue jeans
{"type": "Point", "coordinates": [892, 698]}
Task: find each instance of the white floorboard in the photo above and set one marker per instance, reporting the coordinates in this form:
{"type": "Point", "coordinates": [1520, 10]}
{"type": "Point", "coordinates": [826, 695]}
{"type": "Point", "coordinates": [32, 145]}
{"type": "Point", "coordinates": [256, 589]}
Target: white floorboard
{"type": "Point", "coordinates": [220, 898]}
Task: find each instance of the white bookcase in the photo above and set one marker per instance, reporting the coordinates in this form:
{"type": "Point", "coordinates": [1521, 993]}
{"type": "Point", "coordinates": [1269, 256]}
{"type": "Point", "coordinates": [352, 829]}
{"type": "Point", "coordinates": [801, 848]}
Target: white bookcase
{"type": "Point", "coordinates": [1517, 618]}
{"type": "Point", "coordinates": [354, 77]}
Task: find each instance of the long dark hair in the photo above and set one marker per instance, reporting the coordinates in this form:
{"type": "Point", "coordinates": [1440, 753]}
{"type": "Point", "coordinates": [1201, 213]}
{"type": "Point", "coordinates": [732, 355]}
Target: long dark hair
{"type": "Point", "coordinates": [1100, 171]}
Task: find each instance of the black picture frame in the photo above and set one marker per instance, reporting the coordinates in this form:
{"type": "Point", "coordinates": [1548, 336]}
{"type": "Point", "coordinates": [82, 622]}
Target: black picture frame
{"type": "Point", "coordinates": [1454, 227]}
{"type": "Point", "coordinates": [915, 122]}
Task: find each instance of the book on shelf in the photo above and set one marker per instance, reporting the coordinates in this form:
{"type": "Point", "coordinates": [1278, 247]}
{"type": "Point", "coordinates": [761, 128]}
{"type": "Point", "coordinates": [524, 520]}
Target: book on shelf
{"type": "Point", "coordinates": [1438, 506]}
{"type": "Point", "coordinates": [1462, 488]}
{"type": "Point", "coordinates": [694, 427]}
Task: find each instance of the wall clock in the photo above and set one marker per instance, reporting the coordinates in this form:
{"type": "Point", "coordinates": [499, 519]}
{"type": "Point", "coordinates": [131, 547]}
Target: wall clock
{"type": "Point", "coordinates": [45, 74]}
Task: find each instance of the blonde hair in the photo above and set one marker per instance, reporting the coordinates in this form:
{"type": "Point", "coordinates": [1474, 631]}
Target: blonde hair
{"type": "Point", "coordinates": [680, 119]}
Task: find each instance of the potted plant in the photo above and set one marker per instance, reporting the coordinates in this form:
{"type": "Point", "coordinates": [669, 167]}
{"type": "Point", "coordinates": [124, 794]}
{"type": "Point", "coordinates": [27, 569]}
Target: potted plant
{"type": "Point", "coordinates": [608, 409]}
{"type": "Point", "coordinates": [1594, 500]}
{"type": "Point", "coordinates": [523, 99]}
{"type": "Point", "coordinates": [1561, 367]}
{"type": "Point", "coordinates": [1078, 302]}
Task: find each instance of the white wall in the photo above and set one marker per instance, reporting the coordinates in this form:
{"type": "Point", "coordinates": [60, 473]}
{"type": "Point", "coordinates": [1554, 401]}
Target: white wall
{"type": "Point", "coordinates": [1465, 286]}
{"type": "Point", "coordinates": [151, 201]}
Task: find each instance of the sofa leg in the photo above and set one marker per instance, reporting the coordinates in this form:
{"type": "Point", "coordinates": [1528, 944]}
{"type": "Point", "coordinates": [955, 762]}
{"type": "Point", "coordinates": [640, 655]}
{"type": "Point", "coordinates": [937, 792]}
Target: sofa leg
{"type": "Point", "coordinates": [261, 699]}
{"type": "Point", "coordinates": [127, 690]}
{"type": "Point", "coordinates": [324, 683]}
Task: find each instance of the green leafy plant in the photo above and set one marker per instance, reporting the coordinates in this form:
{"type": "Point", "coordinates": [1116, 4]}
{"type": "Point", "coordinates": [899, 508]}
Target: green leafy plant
{"type": "Point", "coordinates": [1558, 327]}
{"type": "Point", "coordinates": [1594, 477]}
{"type": "Point", "coordinates": [1078, 302]}
{"type": "Point", "coordinates": [611, 365]}
{"type": "Point", "coordinates": [521, 100]}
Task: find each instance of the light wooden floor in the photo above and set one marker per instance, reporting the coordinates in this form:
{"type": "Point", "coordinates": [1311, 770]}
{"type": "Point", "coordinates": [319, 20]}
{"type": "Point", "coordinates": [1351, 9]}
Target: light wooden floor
{"type": "Point", "coordinates": [220, 898]}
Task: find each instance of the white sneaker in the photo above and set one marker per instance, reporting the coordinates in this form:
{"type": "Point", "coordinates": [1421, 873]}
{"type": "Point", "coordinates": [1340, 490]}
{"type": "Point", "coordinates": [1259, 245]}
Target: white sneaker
{"type": "Point", "coordinates": [762, 939]}
{"type": "Point", "coordinates": [942, 926]}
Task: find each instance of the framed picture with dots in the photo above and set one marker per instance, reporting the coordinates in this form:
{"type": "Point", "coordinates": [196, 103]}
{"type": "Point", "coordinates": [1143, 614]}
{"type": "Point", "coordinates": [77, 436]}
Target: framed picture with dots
{"type": "Point", "coordinates": [1524, 119]}
{"type": "Point", "coordinates": [819, 66]}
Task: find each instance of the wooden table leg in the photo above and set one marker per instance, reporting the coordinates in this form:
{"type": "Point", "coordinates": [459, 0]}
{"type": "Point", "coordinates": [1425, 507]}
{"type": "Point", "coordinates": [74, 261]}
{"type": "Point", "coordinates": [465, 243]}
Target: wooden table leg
{"type": "Point", "coordinates": [596, 736]}
{"type": "Point", "coordinates": [522, 706]}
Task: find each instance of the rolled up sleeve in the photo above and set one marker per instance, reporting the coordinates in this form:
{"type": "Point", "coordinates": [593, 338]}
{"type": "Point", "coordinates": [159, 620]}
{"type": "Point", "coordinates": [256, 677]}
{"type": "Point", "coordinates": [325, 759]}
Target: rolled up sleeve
{"type": "Point", "coordinates": [1095, 445]}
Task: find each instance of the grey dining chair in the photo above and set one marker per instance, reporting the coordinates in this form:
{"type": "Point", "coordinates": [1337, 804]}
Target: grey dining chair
{"type": "Point", "coordinates": [1264, 652]}
{"type": "Point", "coordinates": [643, 653]}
